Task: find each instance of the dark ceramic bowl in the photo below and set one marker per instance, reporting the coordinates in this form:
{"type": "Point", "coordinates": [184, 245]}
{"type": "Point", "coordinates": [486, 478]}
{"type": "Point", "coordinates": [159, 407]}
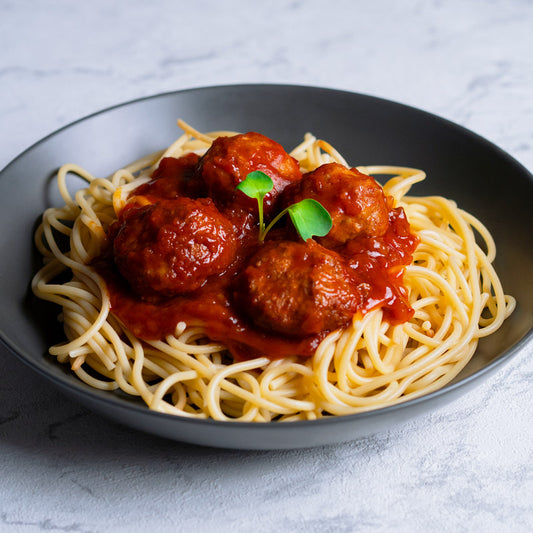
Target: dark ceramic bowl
{"type": "Point", "coordinates": [479, 176]}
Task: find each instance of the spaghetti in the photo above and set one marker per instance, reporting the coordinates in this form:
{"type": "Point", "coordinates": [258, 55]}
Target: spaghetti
{"type": "Point", "coordinates": [454, 292]}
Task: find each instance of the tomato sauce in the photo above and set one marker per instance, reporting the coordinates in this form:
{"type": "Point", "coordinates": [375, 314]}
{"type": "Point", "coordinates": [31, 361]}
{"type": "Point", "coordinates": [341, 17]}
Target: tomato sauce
{"type": "Point", "coordinates": [373, 271]}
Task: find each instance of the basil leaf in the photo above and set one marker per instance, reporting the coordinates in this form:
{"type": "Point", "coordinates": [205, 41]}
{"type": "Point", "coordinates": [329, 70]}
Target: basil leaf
{"type": "Point", "coordinates": [310, 218]}
{"type": "Point", "coordinates": [256, 185]}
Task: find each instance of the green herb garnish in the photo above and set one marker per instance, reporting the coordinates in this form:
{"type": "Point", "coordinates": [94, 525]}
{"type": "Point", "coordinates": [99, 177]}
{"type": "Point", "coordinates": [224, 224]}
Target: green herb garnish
{"type": "Point", "coordinates": [308, 216]}
{"type": "Point", "coordinates": [257, 185]}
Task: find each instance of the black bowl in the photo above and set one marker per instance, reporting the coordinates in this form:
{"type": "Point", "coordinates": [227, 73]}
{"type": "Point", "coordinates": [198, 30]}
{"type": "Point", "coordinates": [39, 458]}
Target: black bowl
{"type": "Point", "coordinates": [460, 165]}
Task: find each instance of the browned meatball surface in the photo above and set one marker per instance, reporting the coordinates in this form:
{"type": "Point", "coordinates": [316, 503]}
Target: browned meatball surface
{"type": "Point", "coordinates": [355, 201]}
{"type": "Point", "coordinates": [231, 159]}
{"type": "Point", "coordinates": [174, 177]}
{"type": "Point", "coordinates": [297, 289]}
{"type": "Point", "coordinates": [172, 246]}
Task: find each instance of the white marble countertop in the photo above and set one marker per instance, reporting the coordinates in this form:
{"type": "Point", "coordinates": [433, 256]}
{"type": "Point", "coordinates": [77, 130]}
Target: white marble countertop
{"type": "Point", "coordinates": [467, 467]}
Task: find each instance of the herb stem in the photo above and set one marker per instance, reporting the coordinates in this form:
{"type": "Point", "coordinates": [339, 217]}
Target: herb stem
{"type": "Point", "coordinates": [262, 231]}
{"type": "Point", "coordinates": [262, 234]}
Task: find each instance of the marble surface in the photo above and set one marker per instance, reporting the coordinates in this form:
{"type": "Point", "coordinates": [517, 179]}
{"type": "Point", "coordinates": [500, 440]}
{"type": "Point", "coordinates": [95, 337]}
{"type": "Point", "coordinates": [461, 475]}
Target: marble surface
{"type": "Point", "coordinates": [467, 467]}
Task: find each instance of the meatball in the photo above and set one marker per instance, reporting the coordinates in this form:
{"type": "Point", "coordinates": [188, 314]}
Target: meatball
{"type": "Point", "coordinates": [297, 289]}
{"type": "Point", "coordinates": [356, 203]}
{"type": "Point", "coordinates": [171, 247]}
{"type": "Point", "coordinates": [172, 178]}
{"type": "Point", "coordinates": [231, 159]}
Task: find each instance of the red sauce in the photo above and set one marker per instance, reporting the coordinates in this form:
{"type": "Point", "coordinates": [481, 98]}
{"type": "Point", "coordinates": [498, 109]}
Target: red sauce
{"type": "Point", "coordinates": [358, 275]}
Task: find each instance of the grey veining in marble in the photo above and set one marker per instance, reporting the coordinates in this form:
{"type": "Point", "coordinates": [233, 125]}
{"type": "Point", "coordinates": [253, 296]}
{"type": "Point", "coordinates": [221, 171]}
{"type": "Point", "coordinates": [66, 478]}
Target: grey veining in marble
{"type": "Point", "coordinates": [467, 467]}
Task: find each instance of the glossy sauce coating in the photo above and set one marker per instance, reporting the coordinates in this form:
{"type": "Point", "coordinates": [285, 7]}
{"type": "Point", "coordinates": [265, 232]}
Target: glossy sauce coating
{"type": "Point", "coordinates": [354, 200]}
{"type": "Point", "coordinates": [231, 159]}
{"type": "Point", "coordinates": [172, 178]}
{"type": "Point", "coordinates": [172, 246]}
{"type": "Point", "coordinates": [297, 288]}
{"type": "Point", "coordinates": [274, 299]}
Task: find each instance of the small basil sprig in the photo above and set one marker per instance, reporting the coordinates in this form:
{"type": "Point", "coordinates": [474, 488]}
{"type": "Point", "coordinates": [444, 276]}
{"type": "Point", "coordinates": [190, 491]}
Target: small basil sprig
{"type": "Point", "coordinates": [257, 185]}
{"type": "Point", "coordinates": [308, 216]}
